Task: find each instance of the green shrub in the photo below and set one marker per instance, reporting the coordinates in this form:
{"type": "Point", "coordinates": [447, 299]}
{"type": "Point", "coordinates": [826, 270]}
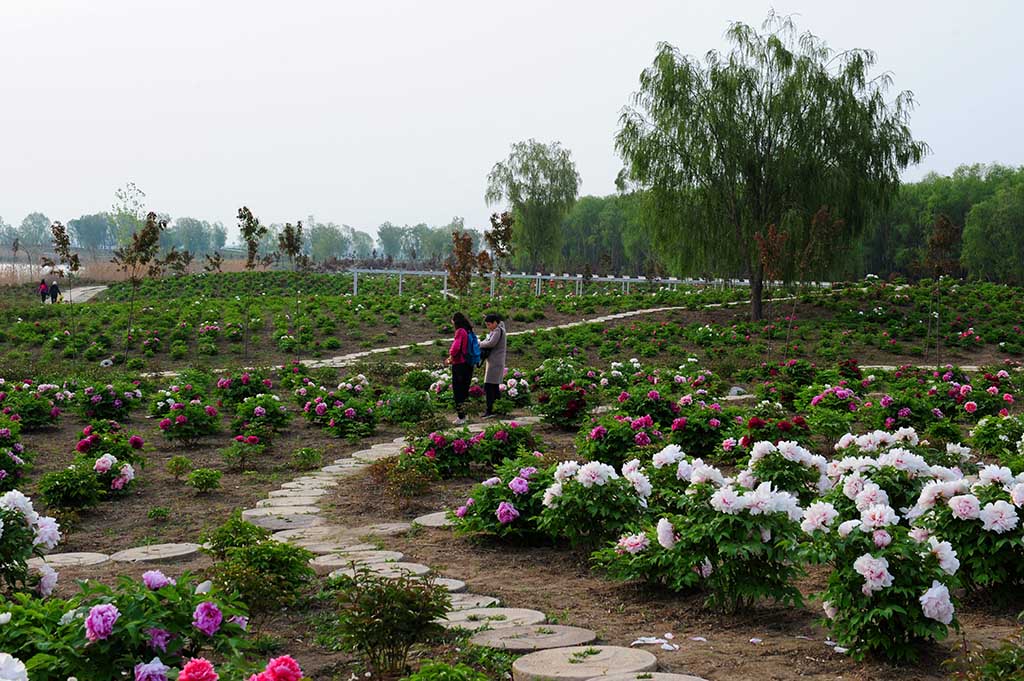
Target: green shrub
{"type": "Point", "coordinates": [234, 533]}
{"type": "Point", "coordinates": [158, 513]}
{"type": "Point", "coordinates": [72, 489]}
{"type": "Point", "coordinates": [204, 479]}
{"type": "Point", "coordinates": [306, 458]}
{"type": "Point", "coordinates": [381, 618]}
{"type": "Point", "coordinates": [266, 575]}
{"type": "Point", "coordinates": [179, 466]}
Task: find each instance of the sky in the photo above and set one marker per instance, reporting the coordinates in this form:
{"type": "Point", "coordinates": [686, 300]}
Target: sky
{"type": "Point", "coordinates": [396, 110]}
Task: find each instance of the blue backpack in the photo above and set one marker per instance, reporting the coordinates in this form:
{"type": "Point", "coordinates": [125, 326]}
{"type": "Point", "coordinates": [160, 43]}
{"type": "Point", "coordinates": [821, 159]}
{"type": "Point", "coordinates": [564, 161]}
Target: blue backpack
{"type": "Point", "coordinates": [473, 350]}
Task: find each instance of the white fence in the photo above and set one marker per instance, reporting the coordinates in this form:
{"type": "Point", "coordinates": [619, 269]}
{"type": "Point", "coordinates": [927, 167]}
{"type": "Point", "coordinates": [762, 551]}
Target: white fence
{"type": "Point", "coordinates": [579, 280]}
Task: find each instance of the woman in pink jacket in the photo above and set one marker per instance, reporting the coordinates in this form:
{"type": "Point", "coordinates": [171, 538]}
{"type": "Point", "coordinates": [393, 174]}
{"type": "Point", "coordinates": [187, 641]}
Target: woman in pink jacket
{"type": "Point", "coordinates": [462, 370]}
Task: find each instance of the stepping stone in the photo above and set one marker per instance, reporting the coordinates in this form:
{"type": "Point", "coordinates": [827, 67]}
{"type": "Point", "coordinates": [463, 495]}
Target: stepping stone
{"type": "Point", "coordinates": [326, 547]}
{"type": "Point", "coordinates": [279, 512]}
{"type": "Point", "coordinates": [388, 570]}
{"type": "Point", "coordinates": [290, 492]}
{"type": "Point", "coordinates": [310, 483]}
{"type": "Point", "coordinates": [349, 462]}
{"type": "Point", "coordinates": [278, 522]}
{"type": "Point", "coordinates": [337, 470]}
{"type": "Point", "coordinates": [466, 601]}
{"type": "Point", "coordinates": [400, 441]}
{"type": "Point", "coordinates": [371, 455]}
{"type": "Point", "coordinates": [382, 529]}
{"type": "Point", "coordinates": [438, 519]}
{"type": "Point", "coordinates": [320, 533]}
{"type": "Point", "coordinates": [287, 501]}
{"type": "Point", "coordinates": [647, 676]}
{"type": "Point", "coordinates": [451, 585]}
{"type": "Point", "coordinates": [529, 638]}
{"type": "Point", "coordinates": [156, 553]}
{"type": "Point", "coordinates": [63, 560]}
{"type": "Point", "coordinates": [334, 561]}
{"type": "Point", "coordinates": [475, 619]}
{"type": "Point", "coordinates": [581, 663]}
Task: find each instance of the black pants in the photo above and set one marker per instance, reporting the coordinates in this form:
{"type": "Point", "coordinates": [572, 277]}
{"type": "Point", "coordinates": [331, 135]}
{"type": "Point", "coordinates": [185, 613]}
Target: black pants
{"type": "Point", "coordinates": [491, 393]}
{"type": "Point", "coordinates": [462, 375]}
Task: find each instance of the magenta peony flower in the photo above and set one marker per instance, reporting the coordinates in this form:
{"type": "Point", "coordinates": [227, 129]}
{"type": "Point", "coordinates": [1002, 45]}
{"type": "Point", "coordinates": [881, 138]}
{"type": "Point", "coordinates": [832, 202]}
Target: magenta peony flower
{"type": "Point", "coordinates": [198, 669]}
{"type": "Point", "coordinates": [210, 411]}
{"type": "Point", "coordinates": [970, 407]}
{"type": "Point", "coordinates": [519, 485]}
{"type": "Point", "coordinates": [207, 618]}
{"type": "Point", "coordinates": [165, 424]}
{"type": "Point", "coordinates": [501, 436]}
{"type": "Point", "coordinates": [136, 442]}
{"type": "Point", "coordinates": [252, 440]}
{"type": "Point", "coordinates": [154, 579]}
{"type": "Point", "coordinates": [259, 411]}
{"type": "Point", "coordinates": [100, 621]}
{"type": "Point", "coordinates": [159, 638]}
{"type": "Point", "coordinates": [506, 513]}
{"type": "Point", "coordinates": [155, 670]}
{"type": "Point", "coordinates": [460, 446]}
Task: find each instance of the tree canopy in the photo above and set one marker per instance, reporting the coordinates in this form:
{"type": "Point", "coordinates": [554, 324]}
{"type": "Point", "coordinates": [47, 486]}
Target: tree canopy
{"type": "Point", "coordinates": [768, 134]}
{"type": "Point", "coordinates": [540, 183]}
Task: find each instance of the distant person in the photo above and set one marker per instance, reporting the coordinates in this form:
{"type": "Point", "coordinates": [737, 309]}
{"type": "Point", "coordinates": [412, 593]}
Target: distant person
{"type": "Point", "coordinates": [54, 293]}
{"type": "Point", "coordinates": [44, 290]}
{"type": "Point", "coordinates": [460, 360]}
{"type": "Point", "coordinates": [493, 348]}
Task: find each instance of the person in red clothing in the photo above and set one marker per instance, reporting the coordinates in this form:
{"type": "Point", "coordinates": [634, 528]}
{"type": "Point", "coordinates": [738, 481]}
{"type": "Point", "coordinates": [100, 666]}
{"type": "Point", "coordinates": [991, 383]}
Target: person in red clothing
{"type": "Point", "coordinates": [43, 290]}
{"type": "Point", "coordinates": [462, 370]}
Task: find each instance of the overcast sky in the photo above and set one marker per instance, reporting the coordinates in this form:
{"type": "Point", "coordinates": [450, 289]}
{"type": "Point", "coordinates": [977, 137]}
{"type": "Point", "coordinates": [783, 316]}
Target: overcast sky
{"type": "Point", "coordinates": [361, 112]}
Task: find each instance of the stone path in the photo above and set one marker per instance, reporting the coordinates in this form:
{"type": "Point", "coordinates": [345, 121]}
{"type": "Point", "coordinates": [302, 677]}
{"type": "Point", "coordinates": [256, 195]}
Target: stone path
{"type": "Point", "coordinates": [294, 513]}
{"type": "Point", "coordinates": [81, 294]}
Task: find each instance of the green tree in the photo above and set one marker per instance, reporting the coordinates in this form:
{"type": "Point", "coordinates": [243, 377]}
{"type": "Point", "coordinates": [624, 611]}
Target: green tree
{"type": "Point", "coordinates": [540, 184]}
{"type": "Point", "coordinates": [767, 134]}
{"type": "Point", "coordinates": [327, 241]}
{"type": "Point", "coordinates": [289, 242]}
{"type": "Point", "coordinates": [218, 236]}
{"type": "Point", "coordinates": [92, 232]}
{"type": "Point", "coordinates": [993, 239]}
{"type": "Point", "coordinates": [362, 244]}
{"type": "Point", "coordinates": [128, 212]}
{"type": "Point", "coordinates": [34, 230]}
{"type": "Point", "coordinates": [189, 234]}
{"type": "Point", "coordinates": [390, 237]}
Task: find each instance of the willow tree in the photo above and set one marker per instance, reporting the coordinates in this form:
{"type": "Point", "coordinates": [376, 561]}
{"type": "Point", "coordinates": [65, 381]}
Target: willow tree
{"type": "Point", "coordinates": [767, 134]}
{"type": "Point", "coordinates": [540, 183]}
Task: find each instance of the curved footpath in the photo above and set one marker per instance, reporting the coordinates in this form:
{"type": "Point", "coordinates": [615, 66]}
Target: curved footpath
{"type": "Point", "coordinates": [551, 652]}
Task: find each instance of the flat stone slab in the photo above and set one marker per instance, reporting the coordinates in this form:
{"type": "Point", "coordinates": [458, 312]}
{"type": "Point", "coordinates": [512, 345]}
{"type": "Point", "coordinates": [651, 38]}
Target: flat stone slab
{"type": "Point", "coordinates": [371, 455]}
{"type": "Point", "coordinates": [466, 601]}
{"type": "Point", "coordinates": [334, 561]}
{"type": "Point", "coordinates": [298, 492]}
{"type": "Point", "coordinates": [450, 585]}
{"type": "Point", "coordinates": [382, 529]}
{"type": "Point", "coordinates": [326, 547]}
{"type": "Point", "coordinates": [156, 552]}
{"type": "Point", "coordinates": [438, 519]}
{"type": "Point", "coordinates": [475, 619]}
{"type": "Point", "coordinates": [62, 560]}
{"type": "Point", "coordinates": [279, 511]}
{"type": "Point", "coordinates": [528, 638]}
{"type": "Point", "coordinates": [387, 570]}
{"type": "Point", "coordinates": [287, 501]}
{"type": "Point", "coordinates": [582, 663]}
{"type": "Point", "coordinates": [310, 483]}
{"type": "Point", "coordinates": [647, 676]}
{"type": "Point", "coordinates": [341, 470]}
{"type": "Point", "coordinates": [277, 522]}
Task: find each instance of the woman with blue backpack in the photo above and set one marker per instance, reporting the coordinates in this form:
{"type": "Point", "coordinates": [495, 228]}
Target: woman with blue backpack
{"type": "Point", "coordinates": [463, 357]}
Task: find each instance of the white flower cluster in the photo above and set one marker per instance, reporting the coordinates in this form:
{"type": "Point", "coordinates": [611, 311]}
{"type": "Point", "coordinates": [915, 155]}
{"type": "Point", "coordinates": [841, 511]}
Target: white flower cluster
{"type": "Point", "coordinates": [45, 529]}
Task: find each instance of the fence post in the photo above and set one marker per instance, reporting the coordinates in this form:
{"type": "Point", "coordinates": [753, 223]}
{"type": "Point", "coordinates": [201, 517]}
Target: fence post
{"type": "Point", "coordinates": [537, 288]}
{"type": "Point", "coordinates": [355, 283]}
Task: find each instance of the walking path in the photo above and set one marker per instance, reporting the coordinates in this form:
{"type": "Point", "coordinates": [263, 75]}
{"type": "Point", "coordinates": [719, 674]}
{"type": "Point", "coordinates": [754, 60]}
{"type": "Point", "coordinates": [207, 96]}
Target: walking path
{"type": "Point", "coordinates": [294, 514]}
{"type": "Point", "coordinates": [81, 294]}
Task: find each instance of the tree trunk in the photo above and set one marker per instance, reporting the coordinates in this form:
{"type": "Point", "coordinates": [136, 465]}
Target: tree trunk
{"type": "Point", "coordinates": [756, 293]}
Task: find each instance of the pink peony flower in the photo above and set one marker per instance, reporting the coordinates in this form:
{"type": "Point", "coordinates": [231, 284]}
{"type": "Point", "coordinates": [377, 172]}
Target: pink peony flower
{"type": "Point", "coordinates": [282, 669]}
{"type": "Point", "coordinates": [935, 603]}
{"type": "Point", "coordinates": [501, 436]}
{"type": "Point", "coordinates": [998, 516]}
{"type": "Point", "coordinates": [875, 572]}
{"type": "Point", "coordinates": [598, 433]}
{"type": "Point", "coordinates": [154, 579]}
{"type": "Point", "coordinates": [642, 439]}
{"type": "Point", "coordinates": [259, 411]}
{"type": "Point", "coordinates": [180, 419]}
{"type": "Point", "coordinates": [818, 516]}
{"type": "Point", "coordinates": [519, 485]}
{"type": "Point", "coordinates": [159, 638]}
{"type": "Point", "coordinates": [506, 513]}
{"type": "Point", "coordinates": [155, 670]}
{"type": "Point", "coordinates": [252, 440]}
{"type": "Point", "coordinates": [666, 534]}
{"type": "Point", "coordinates": [207, 618]}
{"type": "Point", "coordinates": [100, 622]}
{"type": "Point", "coordinates": [165, 424]}
{"type": "Point", "coordinates": [632, 543]}
{"type": "Point", "coordinates": [970, 407]}
{"type": "Point", "coordinates": [965, 506]}
{"type": "Point", "coordinates": [136, 442]}
{"type": "Point", "coordinates": [197, 669]}
{"type": "Point", "coordinates": [881, 538]}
